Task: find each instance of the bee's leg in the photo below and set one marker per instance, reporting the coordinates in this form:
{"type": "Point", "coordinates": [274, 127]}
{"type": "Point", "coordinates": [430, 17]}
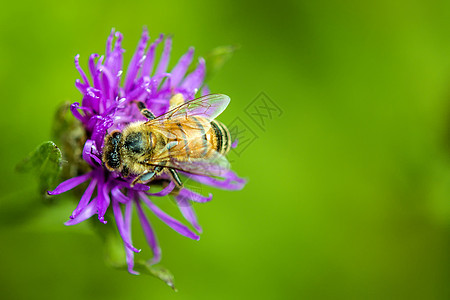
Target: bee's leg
{"type": "Point", "coordinates": [147, 175]}
{"type": "Point", "coordinates": [144, 110]}
{"type": "Point", "coordinates": [158, 169]}
{"type": "Point", "coordinates": [176, 100]}
{"type": "Point", "coordinates": [175, 177]}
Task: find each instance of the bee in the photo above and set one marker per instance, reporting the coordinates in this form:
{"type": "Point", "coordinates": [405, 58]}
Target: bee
{"type": "Point", "coordinates": [187, 138]}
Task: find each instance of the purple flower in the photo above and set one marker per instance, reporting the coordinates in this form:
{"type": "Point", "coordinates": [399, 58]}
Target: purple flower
{"type": "Point", "coordinates": [106, 106]}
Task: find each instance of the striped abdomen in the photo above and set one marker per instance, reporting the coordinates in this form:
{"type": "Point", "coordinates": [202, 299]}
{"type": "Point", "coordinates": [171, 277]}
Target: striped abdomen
{"type": "Point", "coordinates": [196, 137]}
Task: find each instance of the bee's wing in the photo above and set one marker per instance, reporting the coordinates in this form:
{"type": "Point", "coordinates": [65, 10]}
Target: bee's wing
{"type": "Point", "coordinates": [215, 165]}
{"type": "Point", "coordinates": [208, 107]}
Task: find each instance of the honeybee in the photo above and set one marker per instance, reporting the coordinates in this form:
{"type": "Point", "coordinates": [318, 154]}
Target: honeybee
{"type": "Point", "coordinates": [186, 138]}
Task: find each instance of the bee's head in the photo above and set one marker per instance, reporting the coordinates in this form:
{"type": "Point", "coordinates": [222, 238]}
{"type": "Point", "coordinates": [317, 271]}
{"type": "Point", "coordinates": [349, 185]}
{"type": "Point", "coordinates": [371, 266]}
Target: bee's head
{"type": "Point", "coordinates": [111, 154]}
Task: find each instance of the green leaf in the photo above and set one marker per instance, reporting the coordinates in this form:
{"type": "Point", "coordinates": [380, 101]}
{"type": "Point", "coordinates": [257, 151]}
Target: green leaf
{"type": "Point", "coordinates": [156, 271]}
{"type": "Point", "coordinates": [70, 135]}
{"type": "Point", "coordinates": [45, 163]}
{"type": "Point", "coordinates": [216, 59]}
{"type": "Point", "coordinates": [61, 122]}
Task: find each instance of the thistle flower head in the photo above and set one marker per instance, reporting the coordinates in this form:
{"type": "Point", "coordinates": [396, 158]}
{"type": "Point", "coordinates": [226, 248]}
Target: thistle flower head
{"type": "Point", "coordinates": [108, 103]}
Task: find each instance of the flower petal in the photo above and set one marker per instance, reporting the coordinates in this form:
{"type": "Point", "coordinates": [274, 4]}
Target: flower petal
{"type": "Point", "coordinates": [140, 89]}
{"type": "Point", "coordinates": [118, 195]}
{"type": "Point", "coordinates": [121, 226]}
{"type": "Point", "coordinates": [235, 143]}
{"type": "Point", "coordinates": [85, 214]}
{"type": "Point", "coordinates": [193, 196]}
{"type": "Point", "coordinates": [171, 222]}
{"type": "Point", "coordinates": [81, 86]}
{"type": "Point", "coordinates": [136, 61]}
{"type": "Point", "coordinates": [149, 61]}
{"type": "Point", "coordinates": [164, 61]}
{"type": "Point", "coordinates": [114, 60]}
{"type": "Point", "coordinates": [103, 200]}
{"type": "Point", "coordinates": [85, 198]}
{"type": "Point", "coordinates": [109, 43]}
{"type": "Point", "coordinates": [141, 187]}
{"type": "Point", "coordinates": [94, 71]}
{"type": "Point", "coordinates": [100, 127]}
{"type": "Point", "coordinates": [205, 90]}
{"type": "Point", "coordinates": [74, 109]}
{"type": "Point", "coordinates": [194, 80]}
{"type": "Point", "coordinates": [231, 181]}
{"type": "Point", "coordinates": [130, 261]}
{"type": "Point", "coordinates": [91, 99]}
{"type": "Point", "coordinates": [165, 191]}
{"type": "Point", "coordinates": [80, 70]}
{"type": "Point", "coordinates": [129, 252]}
{"type": "Point", "coordinates": [188, 212]}
{"type": "Point", "coordinates": [180, 69]}
{"type": "Point", "coordinates": [107, 83]}
{"type": "Point", "coordinates": [87, 153]}
{"type": "Point", "coordinates": [149, 234]}
{"type": "Point", "coordinates": [70, 184]}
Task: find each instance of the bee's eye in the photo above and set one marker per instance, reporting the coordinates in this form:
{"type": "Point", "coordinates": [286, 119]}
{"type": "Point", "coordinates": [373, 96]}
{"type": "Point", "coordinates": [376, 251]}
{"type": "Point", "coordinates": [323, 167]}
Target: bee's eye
{"type": "Point", "coordinates": [134, 142]}
{"type": "Point", "coordinates": [115, 137]}
{"type": "Point", "coordinates": [111, 155]}
{"type": "Point", "coordinates": [113, 160]}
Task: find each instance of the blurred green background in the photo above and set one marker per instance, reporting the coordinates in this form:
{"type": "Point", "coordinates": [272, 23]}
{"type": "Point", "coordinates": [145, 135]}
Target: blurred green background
{"type": "Point", "coordinates": [348, 193]}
